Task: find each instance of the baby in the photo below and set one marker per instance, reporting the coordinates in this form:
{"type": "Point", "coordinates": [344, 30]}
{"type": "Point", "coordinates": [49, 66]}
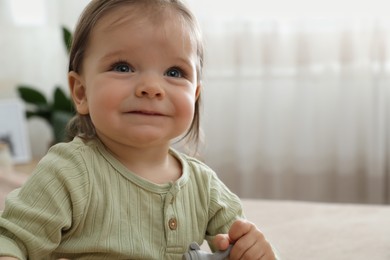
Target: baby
{"type": "Point", "coordinates": [117, 189]}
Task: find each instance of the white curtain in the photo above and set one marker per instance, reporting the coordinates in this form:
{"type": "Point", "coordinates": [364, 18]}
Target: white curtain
{"type": "Point", "coordinates": [293, 109]}
{"type": "Point", "coordinates": [299, 110]}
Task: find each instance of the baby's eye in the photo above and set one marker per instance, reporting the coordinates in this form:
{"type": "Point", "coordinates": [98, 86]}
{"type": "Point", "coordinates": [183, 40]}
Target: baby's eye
{"type": "Point", "coordinates": [175, 73]}
{"type": "Point", "coordinates": [121, 67]}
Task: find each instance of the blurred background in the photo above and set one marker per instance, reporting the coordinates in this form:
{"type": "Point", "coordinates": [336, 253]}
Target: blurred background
{"type": "Point", "coordinates": [296, 93]}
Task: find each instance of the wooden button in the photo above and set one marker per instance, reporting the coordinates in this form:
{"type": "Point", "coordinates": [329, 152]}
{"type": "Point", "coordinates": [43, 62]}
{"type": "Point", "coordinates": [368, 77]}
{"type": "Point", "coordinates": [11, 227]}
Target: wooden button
{"type": "Point", "coordinates": [172, 223]}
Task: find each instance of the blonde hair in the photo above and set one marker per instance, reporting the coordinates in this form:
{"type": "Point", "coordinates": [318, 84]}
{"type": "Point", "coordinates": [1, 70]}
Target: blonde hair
{"type": "Point", "coordinates": [81, 125]}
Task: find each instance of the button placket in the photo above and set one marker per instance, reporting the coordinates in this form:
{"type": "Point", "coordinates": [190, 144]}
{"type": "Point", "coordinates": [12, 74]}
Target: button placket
{"type": "Point", "coordinates": [172, 221]}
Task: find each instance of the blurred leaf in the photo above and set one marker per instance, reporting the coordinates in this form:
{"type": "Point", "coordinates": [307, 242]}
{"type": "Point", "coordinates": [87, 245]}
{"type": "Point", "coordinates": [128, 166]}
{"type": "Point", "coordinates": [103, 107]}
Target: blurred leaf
{"type": "Point", "coordinates": [59, 121]}
{"type": "Point", "coordinates": [31, 95]}
{"type": "Point", "coordinates": [30, 114]}
{"type": "Point", "coordinates": [67, 38]}
{"type": "Point", "coordinates": [61, 101]}
{"type": "Point", "coordinates": [42, 113]}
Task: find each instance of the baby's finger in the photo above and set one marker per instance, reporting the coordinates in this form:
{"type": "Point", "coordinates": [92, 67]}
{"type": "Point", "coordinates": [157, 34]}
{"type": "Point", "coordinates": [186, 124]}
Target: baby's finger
{"type": "Point", "coordinates": [240, 228]}
{"type": "Point", "coordinates": [221, 241]}
{"type": "Point", "coordinates": [241, 247]}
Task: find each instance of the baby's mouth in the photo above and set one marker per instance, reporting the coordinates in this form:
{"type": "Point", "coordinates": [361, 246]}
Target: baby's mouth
{"type": "Point", "coordinates": [145, 113]}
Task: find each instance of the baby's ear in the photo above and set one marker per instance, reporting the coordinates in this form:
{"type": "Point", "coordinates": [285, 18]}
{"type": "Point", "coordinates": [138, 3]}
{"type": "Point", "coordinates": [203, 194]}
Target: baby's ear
{"type": "Point", "coordinates": [198, 90]}
{"type": "Point", "coordinates": [78, 92]}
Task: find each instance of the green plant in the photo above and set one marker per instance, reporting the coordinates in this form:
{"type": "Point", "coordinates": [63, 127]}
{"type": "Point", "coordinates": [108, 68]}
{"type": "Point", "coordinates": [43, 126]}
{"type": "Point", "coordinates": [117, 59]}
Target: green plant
{"type": "Point", "coordinates": [56, 112]}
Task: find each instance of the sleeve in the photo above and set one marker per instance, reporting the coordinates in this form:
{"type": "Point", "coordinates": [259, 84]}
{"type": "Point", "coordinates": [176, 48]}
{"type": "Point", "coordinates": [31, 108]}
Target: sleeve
{"type": "Point", "coordinates": [47, 205]}
{"type": "Point", "coordinates": [225, 207]}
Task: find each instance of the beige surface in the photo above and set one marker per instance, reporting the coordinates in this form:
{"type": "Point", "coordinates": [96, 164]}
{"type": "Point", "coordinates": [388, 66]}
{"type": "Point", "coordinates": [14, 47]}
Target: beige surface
{"type": "Point", "coordinates": [299, 230]}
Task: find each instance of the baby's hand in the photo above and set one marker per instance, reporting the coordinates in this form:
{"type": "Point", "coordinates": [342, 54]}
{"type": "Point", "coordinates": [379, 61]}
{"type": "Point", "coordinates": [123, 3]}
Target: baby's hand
{"type": "Point", "coordinates": [249, 242]}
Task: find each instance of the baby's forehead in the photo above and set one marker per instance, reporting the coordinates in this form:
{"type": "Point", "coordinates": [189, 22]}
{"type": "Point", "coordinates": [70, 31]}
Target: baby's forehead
{"type": "Point", "coordinates": [162, 18]}
{"type": "Point", "coordinates": [138, 14]}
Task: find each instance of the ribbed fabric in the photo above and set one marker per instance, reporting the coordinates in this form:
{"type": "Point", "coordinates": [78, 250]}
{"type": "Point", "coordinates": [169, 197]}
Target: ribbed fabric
{"type": "Point", "coordinates": [82, 203]}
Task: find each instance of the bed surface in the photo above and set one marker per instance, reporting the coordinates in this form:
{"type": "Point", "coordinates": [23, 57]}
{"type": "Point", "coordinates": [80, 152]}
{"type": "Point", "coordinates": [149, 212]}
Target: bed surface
{"type": "Point", "coordinates": [304, 230]}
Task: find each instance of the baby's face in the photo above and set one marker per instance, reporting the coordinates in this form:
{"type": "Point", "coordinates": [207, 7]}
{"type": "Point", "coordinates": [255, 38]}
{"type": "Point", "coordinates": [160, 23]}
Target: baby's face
{"type": "Point", "coordinates": [140, 79]}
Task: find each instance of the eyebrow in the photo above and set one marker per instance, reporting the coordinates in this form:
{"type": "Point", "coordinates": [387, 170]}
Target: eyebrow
{"type": "Point", "coordinates": [118, 53]}
{"type": "Point", "coordinates": [185, 61]}
{"type": "Point", "coordinates": [111, 55]}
